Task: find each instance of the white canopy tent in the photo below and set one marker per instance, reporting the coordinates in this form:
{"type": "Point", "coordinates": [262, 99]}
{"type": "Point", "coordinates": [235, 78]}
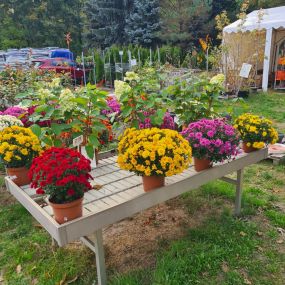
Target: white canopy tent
{"type": "Point", "coordinates": [272, 20]}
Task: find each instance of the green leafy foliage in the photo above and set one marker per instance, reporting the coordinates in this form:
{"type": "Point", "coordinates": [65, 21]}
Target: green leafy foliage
{"type": "Point", "coordinates": [141, 97]}
{"type": "Point", "coordinates": [193, 99]}
{"type": "Point", "coordinates": [69, 113]}
{"type": "Point", "coordinates": [15, 84]}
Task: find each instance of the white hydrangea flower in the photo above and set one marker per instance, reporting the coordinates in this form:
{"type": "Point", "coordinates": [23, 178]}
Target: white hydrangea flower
{"type": "Point", "coordinates": [121, 87]}
{"type": "Point", "coordinates": [55, 83]}
{"type": "Point", "coordinates": [131, 76]}
{"type": "Point", "coordinates": [65, 100]}
{"type": "Point", "coordinates": [218, 79]}
{"type": "Point", "coordinates": [45, 93]}
{"type": "Point", "coordinates": [8, 121]}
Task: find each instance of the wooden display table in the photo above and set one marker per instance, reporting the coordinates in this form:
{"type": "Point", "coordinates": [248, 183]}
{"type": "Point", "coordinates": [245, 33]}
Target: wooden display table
{"type": "Point", "coordinates": [122, 196]}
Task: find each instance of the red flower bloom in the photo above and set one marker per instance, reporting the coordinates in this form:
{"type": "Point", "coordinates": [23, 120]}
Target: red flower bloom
{"type": "Point", "coordinates": [40, 191]}
{"type": "Point", "coordinates": [70, 192]}
{"type": "Point", "coordinates": [62, 173]}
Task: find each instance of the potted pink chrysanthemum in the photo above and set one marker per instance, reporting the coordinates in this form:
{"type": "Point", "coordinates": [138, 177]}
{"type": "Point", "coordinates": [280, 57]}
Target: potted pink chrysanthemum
{"type": "Point", "coordinates": [211, 141]}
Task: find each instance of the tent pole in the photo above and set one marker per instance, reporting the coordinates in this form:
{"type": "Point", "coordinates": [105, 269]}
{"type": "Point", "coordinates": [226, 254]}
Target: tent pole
{"type": "Point", "coordinates": [266, 63]}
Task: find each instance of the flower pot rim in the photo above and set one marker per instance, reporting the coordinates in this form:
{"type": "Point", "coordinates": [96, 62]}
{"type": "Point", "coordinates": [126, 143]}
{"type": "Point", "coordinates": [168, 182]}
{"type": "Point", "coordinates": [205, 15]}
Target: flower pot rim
{"type": "Point", "coordinates": [67, 204]}
{"type": "Point", "coordinates": [17, 168]}
{"type": "Point", "coordinates": [152, 175]}
{"type": "Point", "coordinates": [203, 158]}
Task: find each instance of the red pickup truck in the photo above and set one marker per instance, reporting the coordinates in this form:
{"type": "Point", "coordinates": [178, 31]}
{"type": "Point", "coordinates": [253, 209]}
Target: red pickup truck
{"type": "Point", "coordinates": [61, 65]}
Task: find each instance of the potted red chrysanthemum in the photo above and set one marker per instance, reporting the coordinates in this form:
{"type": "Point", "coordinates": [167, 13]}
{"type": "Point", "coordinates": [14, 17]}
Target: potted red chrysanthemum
{"type": "Point", "coordinates": [63, 174]}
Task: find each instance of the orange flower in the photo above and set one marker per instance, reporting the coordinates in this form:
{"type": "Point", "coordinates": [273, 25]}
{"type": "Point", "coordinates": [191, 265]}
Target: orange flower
{"type": "Point", "coordinates": [144, 96]}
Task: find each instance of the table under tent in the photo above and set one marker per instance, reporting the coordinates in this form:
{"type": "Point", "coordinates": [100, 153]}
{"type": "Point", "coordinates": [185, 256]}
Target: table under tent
{"type": "Point", "coordinates": [259, 40]}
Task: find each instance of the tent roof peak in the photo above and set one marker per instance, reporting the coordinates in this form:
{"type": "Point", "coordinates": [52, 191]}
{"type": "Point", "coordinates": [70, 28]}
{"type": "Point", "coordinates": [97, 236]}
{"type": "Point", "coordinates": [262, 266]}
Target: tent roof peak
{"type": "Point", "coordinates": [272, 18]}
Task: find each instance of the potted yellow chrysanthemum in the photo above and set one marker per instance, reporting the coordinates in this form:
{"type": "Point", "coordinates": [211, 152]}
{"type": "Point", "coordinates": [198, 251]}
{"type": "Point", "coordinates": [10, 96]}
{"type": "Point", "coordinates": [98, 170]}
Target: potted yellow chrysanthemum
{"type": "Point", "coordinates": [18, 147]}
{"type": "Point", "coordinates": [153, 154]}
{"type": "Point", "coordinates": [255, 131]}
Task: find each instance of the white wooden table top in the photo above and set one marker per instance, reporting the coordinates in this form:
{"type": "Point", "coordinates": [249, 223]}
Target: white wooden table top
{"type": "Point", "coordinates": [120, 194]}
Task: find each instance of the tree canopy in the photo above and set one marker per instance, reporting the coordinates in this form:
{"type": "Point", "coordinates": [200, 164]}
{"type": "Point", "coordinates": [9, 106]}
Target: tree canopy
{"type": "Point", "coordinates": [101, 23]}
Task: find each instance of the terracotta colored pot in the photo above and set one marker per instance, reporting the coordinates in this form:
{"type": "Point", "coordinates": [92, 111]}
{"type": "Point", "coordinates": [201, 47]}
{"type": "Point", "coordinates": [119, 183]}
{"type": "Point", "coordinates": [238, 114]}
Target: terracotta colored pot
{"type": "Point", "coordinates": [201, 164]}
{"type": "Point", "coordinates": [152, 182]}
{"type": "Point", "coordinates": [20, 174]}
{"type": "Point", "coordinates": [247, 149]}
{"type": "Point", "coordinates": [68, 211]}
{"type": "Point", "coordinates": [185, 126]}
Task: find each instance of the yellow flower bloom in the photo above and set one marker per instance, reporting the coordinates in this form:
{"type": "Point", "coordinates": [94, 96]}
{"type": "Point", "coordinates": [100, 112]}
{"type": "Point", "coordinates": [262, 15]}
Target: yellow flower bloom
{"type": "Point", "coordinates": [255, 130]}
{"type": "Point", "coordinates": [24, 151]}
{"type": "Point", "coordinates": [161, 151]}
{"type": "Point", "coordinates": [18, 144]}
{"type": "Point", "coordinates": [154, 152]}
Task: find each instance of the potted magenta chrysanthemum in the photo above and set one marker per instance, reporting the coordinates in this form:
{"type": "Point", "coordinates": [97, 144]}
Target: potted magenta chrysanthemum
{"type": "Point", "coordinates": [211, 141]}
{"type": "Point", "coordinates": [63, 174]}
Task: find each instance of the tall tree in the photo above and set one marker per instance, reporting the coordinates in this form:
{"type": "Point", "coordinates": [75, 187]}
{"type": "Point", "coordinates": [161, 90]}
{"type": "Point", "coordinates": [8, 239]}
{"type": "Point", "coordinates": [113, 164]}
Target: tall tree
{"type": "Point", "coordinates": [105, 22]}
{"type": "Point", "coordinates": [39, 23]}
{"type": "Point", "coordinates": [257, 4]}
{"type": "Point", "coordinates": [142, 24]}
{"type": "Point", "coordinates": [175, 19]}
{"type": "Point", "coordinates": [230, 6]}
{"type": "Point", "coordinates": [201, 22]}
{"type": "Point", "coordinates": [184, 21]}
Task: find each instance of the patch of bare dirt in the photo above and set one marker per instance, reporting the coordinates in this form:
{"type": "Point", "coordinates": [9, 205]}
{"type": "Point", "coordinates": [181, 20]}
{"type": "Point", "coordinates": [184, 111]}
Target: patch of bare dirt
{"type": "Point", "coordinates": [133, 243]}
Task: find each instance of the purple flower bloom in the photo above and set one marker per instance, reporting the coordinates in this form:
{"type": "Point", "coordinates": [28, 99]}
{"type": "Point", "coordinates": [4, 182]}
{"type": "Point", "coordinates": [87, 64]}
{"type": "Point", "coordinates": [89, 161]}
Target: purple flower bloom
{"type": "Point", "coordinates": [198, 135]}
{"type": "Point", "coordinates": [114, 106]}
{"type": "Point", "coordinates": [210, 134]}
{"type": "Point", "coordinates": [168, 122]}
{"type": "Point", "coordinates": [218, 143]}
{"type": "Point", "coordinates": [212, 139]}
{"type": "Point", "coordinates": [204, 142]}
{"type": "Point", "coordinates": [141, 126]}
{"type": "Point", "coordinates": [14, 111]}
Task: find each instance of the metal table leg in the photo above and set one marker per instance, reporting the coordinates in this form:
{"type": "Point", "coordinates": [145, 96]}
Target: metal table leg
{"type": "Point", "coordinates": [98, 249]}
{"type": "Point", "coordinates": [238, 192]}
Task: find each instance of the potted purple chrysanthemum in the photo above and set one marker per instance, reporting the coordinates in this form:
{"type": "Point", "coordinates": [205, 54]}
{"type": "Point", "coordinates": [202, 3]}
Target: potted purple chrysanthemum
{"type": "Point", "coordinates": [211, 141]}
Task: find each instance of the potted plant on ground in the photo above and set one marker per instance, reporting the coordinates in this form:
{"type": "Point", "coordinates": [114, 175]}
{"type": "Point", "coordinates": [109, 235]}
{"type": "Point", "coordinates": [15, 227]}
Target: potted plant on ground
{"type": "Point", "coordinates": [211, 141]}
{"type": "Point", "coordinates": [153, 154]}
{"type": "Point", "coordinates": [255, 131]}
{"type": "Point", "coordinates": [63, 174]}
{"type": "Point", "coordinates": [18, 147]}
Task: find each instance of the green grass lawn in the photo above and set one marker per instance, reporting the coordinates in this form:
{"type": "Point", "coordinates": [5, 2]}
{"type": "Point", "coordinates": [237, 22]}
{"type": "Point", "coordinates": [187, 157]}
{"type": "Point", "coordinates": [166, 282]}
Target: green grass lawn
{"type": "Point", "coordinates": [216, 249]}
{"type": "Point", "coordinates": [269, 105]}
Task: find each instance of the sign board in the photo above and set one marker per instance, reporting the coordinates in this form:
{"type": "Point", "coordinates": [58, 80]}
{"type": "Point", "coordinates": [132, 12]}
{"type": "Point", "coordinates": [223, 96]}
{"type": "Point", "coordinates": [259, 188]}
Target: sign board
{"type": "Point", "coordinates": [245, 70]}
{"type": "Point", "coordinates": [133, 62]}
{"type": "Point", "coordinates": [78, 141]}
